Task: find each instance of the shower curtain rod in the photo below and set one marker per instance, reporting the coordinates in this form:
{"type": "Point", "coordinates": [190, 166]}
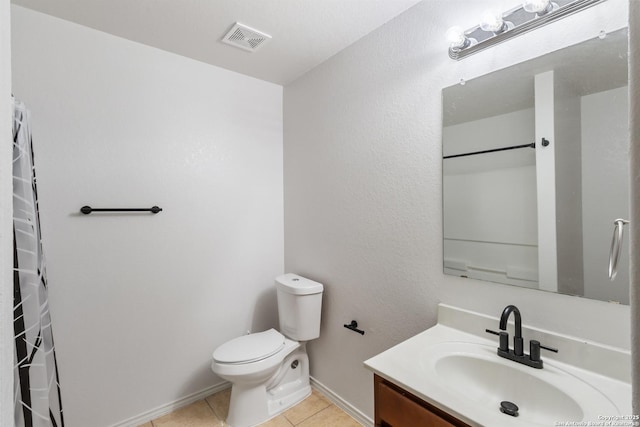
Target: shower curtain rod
{"type": "Point", "coordinates": [532, 145]}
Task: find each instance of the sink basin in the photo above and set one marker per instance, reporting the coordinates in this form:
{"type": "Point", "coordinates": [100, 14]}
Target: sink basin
{"type": "Point", "coordinates": [454, 367]}
{"type": "Point", "coordinates": [475, 373]}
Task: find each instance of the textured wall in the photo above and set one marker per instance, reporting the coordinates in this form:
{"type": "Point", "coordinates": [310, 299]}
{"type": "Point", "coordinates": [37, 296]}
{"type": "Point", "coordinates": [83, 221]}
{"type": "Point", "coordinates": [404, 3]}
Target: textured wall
{"type": "Point", "coordinates": [363, 189]}
{"type": "Point", "coordinates": [139, 302]}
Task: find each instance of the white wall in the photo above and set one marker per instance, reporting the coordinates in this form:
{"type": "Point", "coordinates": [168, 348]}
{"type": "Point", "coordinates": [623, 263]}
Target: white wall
{"type": "Point", "coordinates": [6, 214]}
{"type": "Point", "coordinates": [605, 178]}
{"type": "Point", "coordinates": [363, 189]}
{"type": "Point", "coordinates": [139, 302]}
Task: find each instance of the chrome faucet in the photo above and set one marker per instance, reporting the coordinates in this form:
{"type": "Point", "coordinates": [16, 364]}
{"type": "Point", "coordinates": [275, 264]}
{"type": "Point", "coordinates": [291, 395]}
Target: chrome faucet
{"type": "Point", "coordinates": [517, 354]}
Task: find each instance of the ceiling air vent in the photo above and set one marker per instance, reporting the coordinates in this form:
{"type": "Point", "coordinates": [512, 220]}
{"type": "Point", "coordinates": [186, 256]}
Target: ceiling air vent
{"type": "Point", "coordinates": [245, 38]}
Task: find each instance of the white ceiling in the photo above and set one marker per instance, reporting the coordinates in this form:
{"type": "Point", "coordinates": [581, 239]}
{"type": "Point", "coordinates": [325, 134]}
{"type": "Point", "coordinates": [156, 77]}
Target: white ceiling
{"type": "Point", "coordinates": [305, 32]}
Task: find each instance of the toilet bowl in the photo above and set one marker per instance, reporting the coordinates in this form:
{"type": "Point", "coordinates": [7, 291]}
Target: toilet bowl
{"type": "Point", "coordinates": [269, 371]}
{"type": "Point", "coordinates": [249, 363]}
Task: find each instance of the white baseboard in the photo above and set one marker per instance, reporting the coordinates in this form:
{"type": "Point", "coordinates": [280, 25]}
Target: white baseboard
{"type": "Point", "coordinates": [187, 400]}
{"type": "Point", "coordinates": [341, 403]}
{"type": "Point", "coordinates": [171, 406]}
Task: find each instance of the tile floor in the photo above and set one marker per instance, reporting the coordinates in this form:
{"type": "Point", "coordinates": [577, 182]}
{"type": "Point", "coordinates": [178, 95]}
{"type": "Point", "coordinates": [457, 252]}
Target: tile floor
{"type": "Point", "coordinates": [315, 411]}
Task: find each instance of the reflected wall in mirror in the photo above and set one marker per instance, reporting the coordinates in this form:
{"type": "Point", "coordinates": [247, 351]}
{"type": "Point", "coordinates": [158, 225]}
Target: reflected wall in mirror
{"type": "Point", "coordinates": [535, 171]}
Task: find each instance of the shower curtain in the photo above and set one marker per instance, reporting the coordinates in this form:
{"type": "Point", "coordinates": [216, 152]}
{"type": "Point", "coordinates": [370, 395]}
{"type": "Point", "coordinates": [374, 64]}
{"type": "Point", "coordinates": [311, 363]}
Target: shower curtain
{"type": "Point", "coordinates": [37, 391]}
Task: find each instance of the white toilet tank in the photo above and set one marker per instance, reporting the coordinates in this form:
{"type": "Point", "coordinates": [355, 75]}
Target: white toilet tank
{"type": "Point", "coordinates": [299, 304]}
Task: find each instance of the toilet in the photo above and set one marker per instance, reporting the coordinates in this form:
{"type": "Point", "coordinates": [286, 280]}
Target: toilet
{"type": "Point", "coordinates": [269, 371]}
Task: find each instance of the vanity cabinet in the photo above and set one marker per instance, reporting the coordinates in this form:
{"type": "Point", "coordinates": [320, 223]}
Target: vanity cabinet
{"type": "Point", "coordinates": [396, 407]}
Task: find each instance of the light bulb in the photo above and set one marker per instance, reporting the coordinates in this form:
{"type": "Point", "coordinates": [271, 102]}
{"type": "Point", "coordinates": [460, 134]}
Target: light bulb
{"type": "Point", "coordinates": [492, 21]}
{"type": "Point", "coordinates": [456, 37]}
{"type": "Point", "coordinates": [536, 6]}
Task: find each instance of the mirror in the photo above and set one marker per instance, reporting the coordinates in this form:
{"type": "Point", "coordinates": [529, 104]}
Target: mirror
{"type": "Point", "coordinates": [535, 171]}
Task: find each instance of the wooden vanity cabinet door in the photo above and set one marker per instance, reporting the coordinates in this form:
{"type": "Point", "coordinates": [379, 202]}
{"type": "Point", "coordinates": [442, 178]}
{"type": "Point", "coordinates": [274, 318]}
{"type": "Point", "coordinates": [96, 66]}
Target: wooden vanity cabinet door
{"type": "Point", "coordinates": [395, 407]}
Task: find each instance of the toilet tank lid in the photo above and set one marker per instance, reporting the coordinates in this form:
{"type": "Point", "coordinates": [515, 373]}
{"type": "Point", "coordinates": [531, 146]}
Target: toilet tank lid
{"type": "Point", "coordinates": [297, 285]}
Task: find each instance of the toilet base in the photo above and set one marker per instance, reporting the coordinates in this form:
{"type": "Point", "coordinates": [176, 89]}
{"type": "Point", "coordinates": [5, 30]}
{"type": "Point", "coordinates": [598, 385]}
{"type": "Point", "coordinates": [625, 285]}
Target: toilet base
{"type": "Point", "coordinates": [252, 405]}
{"type": "Point", "coordinates": [281, 402]}
{"type": "Point", "coordinates": [248, 406]}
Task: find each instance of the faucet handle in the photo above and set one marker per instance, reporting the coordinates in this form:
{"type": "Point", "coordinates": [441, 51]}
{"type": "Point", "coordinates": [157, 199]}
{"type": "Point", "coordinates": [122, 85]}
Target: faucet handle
{"type": "Point", "coordinates": [504, 339]}
{"type": "Point", "coordinates": [534, 350]}
{"type": "Point", "coordinates": [555, 350]}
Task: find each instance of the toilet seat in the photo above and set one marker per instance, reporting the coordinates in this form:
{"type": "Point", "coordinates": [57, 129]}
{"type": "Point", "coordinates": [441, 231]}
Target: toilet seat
{"type": "Point", "coordinates": [250, 348]}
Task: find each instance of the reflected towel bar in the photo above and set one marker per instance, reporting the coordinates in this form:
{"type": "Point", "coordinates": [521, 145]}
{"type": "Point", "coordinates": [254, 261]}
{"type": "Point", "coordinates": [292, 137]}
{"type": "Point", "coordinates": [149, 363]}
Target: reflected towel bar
{"type": "Point", "coordinates": [532, 145]}
{"type": "Point", "coordinates": [88, 209]}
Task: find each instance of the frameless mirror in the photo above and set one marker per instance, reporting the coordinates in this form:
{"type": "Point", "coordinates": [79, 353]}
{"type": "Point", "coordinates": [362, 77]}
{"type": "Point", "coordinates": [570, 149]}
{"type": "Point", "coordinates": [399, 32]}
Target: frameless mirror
{"type": "Point", "coordinates": [535, 171]}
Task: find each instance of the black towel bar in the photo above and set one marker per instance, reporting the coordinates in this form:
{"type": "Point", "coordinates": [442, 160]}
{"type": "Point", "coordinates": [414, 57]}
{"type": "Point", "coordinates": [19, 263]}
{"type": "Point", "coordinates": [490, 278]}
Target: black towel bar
{"type": "Point", "coordinates": [88, 209]}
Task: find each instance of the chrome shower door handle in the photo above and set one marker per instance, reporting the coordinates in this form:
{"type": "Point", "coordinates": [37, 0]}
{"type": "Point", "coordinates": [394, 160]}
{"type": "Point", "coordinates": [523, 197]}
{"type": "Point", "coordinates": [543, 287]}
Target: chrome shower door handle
{"type": "Point", "coordinates": [616, 246]}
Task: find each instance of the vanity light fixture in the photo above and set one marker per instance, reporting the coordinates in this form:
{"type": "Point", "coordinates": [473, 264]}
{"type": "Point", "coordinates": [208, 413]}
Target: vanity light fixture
{"type": "Point", "coordinates": [498, 27]}
{"type": "Point", "coordinates": [457, 38]}
{"type": "Point", "coordinates": [539, 7]}
{"type": "Point", "coordinates": [493, 22]}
